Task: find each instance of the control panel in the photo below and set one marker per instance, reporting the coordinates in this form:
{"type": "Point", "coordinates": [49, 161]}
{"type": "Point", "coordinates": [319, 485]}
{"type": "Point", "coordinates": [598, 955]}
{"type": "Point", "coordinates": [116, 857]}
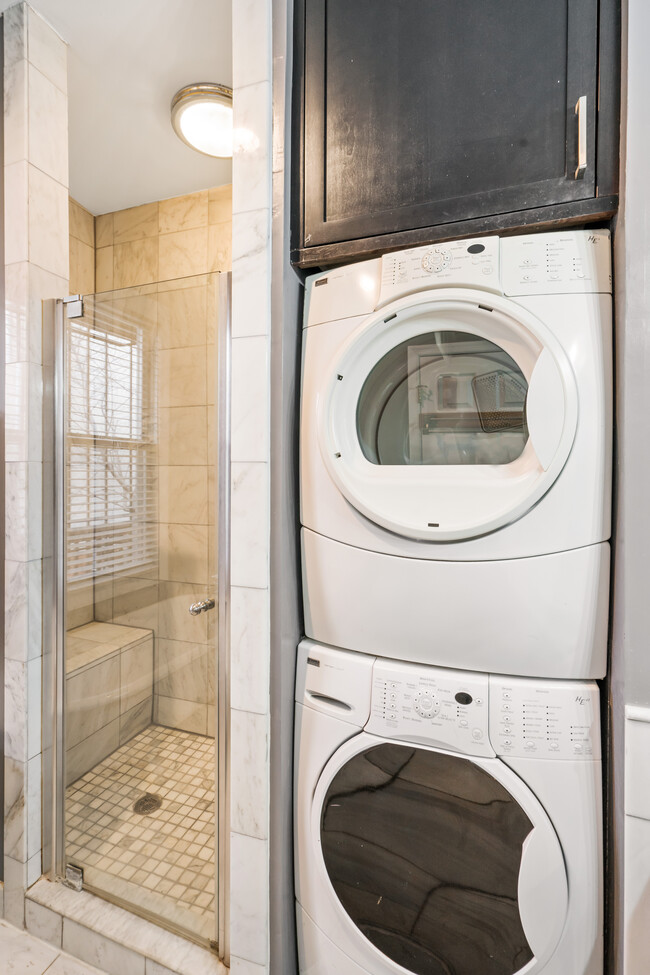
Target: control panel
{"type": "Point", "coordinates": [571, 262]}
{"type": "Point", "coordinates": [431, 706]}
{"type": "Point", "coordinates": [544, 718]}
{"type": "Point", "coordinates": [456, 263]}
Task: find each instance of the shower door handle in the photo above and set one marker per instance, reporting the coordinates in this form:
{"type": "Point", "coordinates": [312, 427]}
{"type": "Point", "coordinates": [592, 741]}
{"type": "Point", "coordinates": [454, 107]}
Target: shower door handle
{"type": "Point", "coordinates": [201, 607]}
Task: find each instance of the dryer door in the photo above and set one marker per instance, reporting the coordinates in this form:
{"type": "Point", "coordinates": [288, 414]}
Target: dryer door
{"type": "Point", "coordinates": [443, 863]}
{"type": "Point", "coordinates": [446, 418]}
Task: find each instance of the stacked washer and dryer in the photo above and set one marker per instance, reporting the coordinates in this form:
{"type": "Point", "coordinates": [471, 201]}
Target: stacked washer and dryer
{"type": "Point", "coordinates": [455, 503]}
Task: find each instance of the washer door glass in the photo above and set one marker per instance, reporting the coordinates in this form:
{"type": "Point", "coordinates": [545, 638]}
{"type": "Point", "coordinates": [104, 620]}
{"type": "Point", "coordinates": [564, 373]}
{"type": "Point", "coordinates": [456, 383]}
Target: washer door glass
{"type": "Point", "coordinates": [423, 850]}
{"type": "Point", "coordinates": [443, 398]}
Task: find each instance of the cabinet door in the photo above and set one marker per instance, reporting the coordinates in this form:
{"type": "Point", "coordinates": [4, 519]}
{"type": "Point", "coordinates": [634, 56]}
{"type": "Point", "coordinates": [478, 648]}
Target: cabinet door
{"type": "Point", "coordinates": [425, 112]}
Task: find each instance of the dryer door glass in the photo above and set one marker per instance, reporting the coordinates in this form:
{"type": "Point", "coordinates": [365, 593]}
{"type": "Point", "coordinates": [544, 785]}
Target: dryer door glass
{"type": "Point", "coordinates": [423, 850]}
{"type": "Point", "coordinates": [443, 398]}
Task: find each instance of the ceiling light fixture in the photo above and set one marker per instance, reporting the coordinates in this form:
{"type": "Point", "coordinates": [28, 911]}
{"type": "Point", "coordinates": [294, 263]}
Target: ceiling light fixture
{"type": "Point", "coordinates": [202, 118]}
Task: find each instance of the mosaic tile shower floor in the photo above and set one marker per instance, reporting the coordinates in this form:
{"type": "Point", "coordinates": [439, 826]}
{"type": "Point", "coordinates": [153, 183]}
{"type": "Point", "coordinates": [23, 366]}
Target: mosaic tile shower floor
{"type": "Point", "coordinates": [163, 861]}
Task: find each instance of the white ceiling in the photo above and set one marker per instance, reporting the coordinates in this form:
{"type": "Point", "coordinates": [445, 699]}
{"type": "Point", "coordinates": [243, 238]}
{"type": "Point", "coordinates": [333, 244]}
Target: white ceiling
{"type": "Point", "coordinates": [126, 59]}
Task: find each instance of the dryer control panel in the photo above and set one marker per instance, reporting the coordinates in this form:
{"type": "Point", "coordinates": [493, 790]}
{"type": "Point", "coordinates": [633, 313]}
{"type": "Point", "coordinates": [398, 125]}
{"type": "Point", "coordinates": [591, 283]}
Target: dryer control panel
{"type": "Point", "coordinates": [430, 705]}
{"type": "Point", "coordinates": [544, 718]}
{"type": "Point", "coordinates": [452, 264]}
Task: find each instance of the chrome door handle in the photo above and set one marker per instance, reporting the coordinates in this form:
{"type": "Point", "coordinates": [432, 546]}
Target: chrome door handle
{"type": "Point", "coordinates": [201, 607]}
{"type": "Point", "coordinates": [581, 112]}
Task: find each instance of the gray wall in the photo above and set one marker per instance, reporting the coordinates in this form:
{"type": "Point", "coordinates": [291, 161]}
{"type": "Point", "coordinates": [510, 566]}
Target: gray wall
{"type": "Point", "coordinates": [286, 614]}
{"type": "Point", "coordinates": [630, 662]}
{"type": "Point", "coordinates": [2, 478]}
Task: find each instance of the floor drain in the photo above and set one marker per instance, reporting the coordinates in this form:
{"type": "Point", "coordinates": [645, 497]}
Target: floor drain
{"type": "Point", "coordinates": [146, 804]}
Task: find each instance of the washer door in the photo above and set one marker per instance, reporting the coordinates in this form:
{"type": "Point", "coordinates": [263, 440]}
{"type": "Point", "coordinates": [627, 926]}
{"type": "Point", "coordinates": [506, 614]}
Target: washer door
{"type": "Point", "coordinates": [445, 418]}
{"type": "Point", "coordinates": [445, 864]}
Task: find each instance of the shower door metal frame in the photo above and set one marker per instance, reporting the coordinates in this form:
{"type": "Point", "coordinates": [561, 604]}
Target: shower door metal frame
{"type": "Point", "coordinates": [54, 589]}
{"type": "Point", "coordinates": [54, 601]}
{"type": "Point", "coordinates": [222, 839]}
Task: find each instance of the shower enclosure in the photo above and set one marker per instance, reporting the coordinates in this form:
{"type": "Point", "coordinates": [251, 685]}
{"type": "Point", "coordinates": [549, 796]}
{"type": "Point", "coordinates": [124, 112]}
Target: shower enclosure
{"type": "Point", "coordinates": [136, 436]}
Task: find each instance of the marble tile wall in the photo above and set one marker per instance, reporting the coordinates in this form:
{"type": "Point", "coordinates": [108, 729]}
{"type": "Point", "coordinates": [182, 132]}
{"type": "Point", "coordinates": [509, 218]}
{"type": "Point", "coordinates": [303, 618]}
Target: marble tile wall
{"type": "Point", "coordinates": [36, 267]}
{"type": "Point", "coordinates": [170, 243]}
{"type": "Point", "coordinates": [109, 692]}
{"type": "Point", "coordinates": [250, 614]}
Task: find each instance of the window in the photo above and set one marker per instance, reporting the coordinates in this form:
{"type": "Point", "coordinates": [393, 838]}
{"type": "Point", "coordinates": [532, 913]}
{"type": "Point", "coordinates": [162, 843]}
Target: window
{"type": "Point", "coordinates": [111, 456]}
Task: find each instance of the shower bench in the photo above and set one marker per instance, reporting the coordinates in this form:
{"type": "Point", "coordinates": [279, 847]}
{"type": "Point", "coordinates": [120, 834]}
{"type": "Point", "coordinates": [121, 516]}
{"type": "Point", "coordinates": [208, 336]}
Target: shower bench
{"type": "Point", "coordinates": [109, 691]}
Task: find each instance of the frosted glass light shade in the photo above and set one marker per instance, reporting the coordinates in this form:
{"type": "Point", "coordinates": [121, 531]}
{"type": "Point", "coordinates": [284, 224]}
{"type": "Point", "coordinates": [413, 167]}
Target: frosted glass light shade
{"type": "Point", "coordinates": [202, 118]}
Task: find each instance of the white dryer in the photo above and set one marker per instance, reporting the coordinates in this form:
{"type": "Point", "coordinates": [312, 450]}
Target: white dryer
{"type": "Point", "coordinates": [447, 823]}
{"type": "Point", "coordinates": [456, 454]}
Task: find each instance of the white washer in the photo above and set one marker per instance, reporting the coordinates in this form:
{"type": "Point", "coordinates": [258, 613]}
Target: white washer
{"type": "Point", "coordinates": [446, 822]}
{"type": "Point", "coordinates": [456, 454]}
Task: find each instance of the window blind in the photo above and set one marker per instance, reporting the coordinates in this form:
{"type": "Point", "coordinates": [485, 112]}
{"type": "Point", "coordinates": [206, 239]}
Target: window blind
{"type": "Point", "coordinates": [111, 448]}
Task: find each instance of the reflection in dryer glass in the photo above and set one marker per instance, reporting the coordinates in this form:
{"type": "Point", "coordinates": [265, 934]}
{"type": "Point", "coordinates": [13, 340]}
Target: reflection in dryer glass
{"type": "Point", "coordinates": [443, 398]}
{"type": "Point", "coordinates": [423, 850]}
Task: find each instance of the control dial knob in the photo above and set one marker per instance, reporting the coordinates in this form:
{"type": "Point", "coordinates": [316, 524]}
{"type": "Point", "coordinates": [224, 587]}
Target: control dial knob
{"type": "Point", "coordinates": [435, 260]}
{"type": "Point", "coordinates": [426, 704]}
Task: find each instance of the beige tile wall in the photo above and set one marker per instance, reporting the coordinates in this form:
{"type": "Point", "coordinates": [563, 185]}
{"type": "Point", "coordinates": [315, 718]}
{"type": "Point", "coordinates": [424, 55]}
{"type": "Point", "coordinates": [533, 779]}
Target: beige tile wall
{"type": "Point", "coordinates": [159, 241]}
{"type": "Point", "coordinates": [82, 250]}
{"type": "Point", "coordinates": [164, 246]}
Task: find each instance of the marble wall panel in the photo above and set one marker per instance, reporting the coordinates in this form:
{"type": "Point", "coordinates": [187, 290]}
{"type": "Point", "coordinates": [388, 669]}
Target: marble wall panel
{"type": "Point", "coordinates": [250, 423]}
{"type": "Point", "coordinates": [136, 675]}
{"type": "Point", "coordinates": [249, 648]}
{"type": "Point", "coordinates": [220, 205]}
{"type": "Point", "coordinates": [185, 715]}
{"type": "Point", "coordinates": [183, 213]}
{"type": "Point", "coordinates": [183, 553]}
{"type": "Point", "coordinates": [135, 262]}
{"type": "Point", "coordinates": [92, 700]}
{"type": "Point", "coordinates": [251, 54]}
{"type": "Point", "coordinates": [15, 111]}
{"type": "Point", "coordinates": [183, 495]}
{"type": "Point", "coordinates": [82, 249]}
{"type": "Point", "coordinates": [36, 267]}
{"type": "Point", "coordinates": [135, 223]}
{"type": "Point", "coordinates": [47, 117]}
{"type": "Point", "coordinates": [250, 524]}
{"type": "Point", "coordinates": [252, 148]}
{"type": "Point", "coordinates": [251, 276]}
{"type": "Point", "coordinates": [48, 222]}
{"type": "Point", "coordinates": [249, 898]}
{"type": "Point", "coordinates": [249, 625]}
{"type": "Point", "coordinates": [249, 773]}
{"type": "Point", "coordinates": [183, 253]}
{"type": "Point", "coordinates": [182, 318]}
{"type": "Point", "coordinates": [182, 671]}
{"type": "Point", "coordinates": [47, 51]}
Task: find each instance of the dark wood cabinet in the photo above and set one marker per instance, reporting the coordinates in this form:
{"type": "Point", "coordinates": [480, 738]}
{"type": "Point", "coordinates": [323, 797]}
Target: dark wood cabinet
{"type": "Point", "coordinates": [422, 120]}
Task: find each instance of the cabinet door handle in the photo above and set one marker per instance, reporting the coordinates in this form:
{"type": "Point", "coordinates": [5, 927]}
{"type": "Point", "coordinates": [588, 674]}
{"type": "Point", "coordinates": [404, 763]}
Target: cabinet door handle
{"type": "Point", "coordinates": [581, 112]}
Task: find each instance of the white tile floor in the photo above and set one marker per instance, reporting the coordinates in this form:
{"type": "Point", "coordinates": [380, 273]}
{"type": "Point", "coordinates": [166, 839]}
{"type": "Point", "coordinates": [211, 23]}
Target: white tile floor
{"type": "Point", "coordinates": [22, 954]}
{"type": "Point", "coordinates": [162, 862]}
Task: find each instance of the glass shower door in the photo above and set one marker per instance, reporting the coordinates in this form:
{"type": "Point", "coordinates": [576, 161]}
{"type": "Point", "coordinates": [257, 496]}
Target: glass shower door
{"type": "Point", "coordinates": [142, 733]}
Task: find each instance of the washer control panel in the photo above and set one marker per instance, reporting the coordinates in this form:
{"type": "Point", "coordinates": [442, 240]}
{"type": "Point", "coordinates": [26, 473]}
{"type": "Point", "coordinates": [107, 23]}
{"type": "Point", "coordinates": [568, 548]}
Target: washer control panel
{"type": "Point", "coordinates": [455, 263]}
{"type": "Point", "coordinates": [570, 262]}
{"type": "Point", "coordinates": [430, 705]}
{"type": "Point", "coordinates": [544, 718]}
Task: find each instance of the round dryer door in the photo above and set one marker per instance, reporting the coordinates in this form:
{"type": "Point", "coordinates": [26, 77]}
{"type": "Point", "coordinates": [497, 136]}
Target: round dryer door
{"type": "Point", "coordinates": [445, 418]}
{"type": "Point", "coordinates": [443, 863]}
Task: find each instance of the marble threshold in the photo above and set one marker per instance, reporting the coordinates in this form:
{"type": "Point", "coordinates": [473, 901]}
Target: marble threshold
{"type": "Point", "coordinates": [114, 939]}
